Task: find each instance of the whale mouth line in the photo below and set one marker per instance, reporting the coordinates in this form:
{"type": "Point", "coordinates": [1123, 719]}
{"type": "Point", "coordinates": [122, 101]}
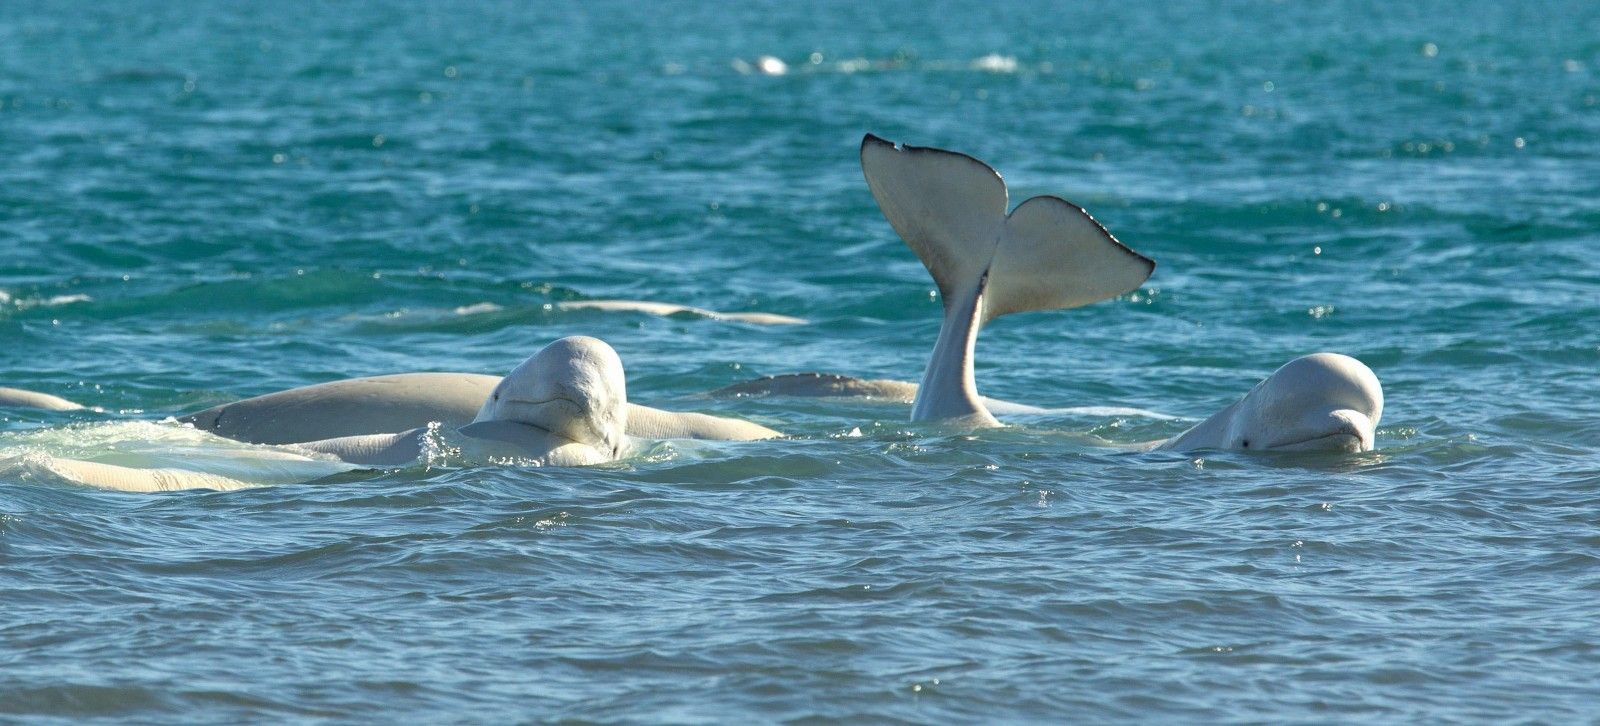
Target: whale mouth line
{"type": "Point", "coordinates": [1353, 437]}
{"type": "Point", "coordinates": [536, 402]}
{"type": "Point", "coordinates": [579, 413]}
{"type": "Point", "coordinates": [541, 402]}
{"type": "Point", "coordinates": [545, 430]}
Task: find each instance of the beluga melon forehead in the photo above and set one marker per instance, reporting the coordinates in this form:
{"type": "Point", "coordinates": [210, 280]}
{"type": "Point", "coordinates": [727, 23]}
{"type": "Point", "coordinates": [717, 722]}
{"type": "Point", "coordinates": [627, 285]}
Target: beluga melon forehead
{"type": "Point", "coordinates": [571, 359]}
{"type": "Point", "coordinates": [1330, 379]}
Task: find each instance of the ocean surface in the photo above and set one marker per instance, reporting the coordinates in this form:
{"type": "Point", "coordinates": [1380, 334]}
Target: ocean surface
{"type": "Point", "coordinates": [200, 203]}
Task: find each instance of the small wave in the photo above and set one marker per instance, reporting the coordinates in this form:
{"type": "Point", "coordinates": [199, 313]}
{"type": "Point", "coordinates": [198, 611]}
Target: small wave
{"type": "Point", "coordinates": [768, 65]}
{"type": "Point", "coordinates": [668, 309]}
{"type": "Point", "coordinates": [996, 63]}
{"type": "Point", "coordinates": [42, 302]}
{"type": "Point", "coordinates": [476, 308]}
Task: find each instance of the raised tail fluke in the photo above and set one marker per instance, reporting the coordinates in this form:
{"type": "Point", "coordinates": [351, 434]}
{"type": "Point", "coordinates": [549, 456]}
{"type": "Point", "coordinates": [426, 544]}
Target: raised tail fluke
{"type": "Point", "coordinates": [1047, 254]}
{"type": "Point", "coordinates": [950, 208]}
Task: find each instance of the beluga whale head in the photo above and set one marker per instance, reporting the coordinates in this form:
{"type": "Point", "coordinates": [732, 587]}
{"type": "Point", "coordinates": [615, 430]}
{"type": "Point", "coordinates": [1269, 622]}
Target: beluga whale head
{"type": "Point", "coordinates": [1319, 402]}
{"type": "Point", "coordinates": [573, 388]}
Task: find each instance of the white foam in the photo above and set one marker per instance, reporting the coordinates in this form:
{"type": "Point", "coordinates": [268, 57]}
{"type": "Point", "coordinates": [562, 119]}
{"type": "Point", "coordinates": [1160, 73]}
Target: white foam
{"type": "Point", "coordinates": [47, 302]}
{"type": "Point", "coordinates": [476, 308]}
{"type": "Point", "coordinates": [771, 65]}
{"type": "Point", "coordinates": [996, 63]}
{"type": "Point", "coordinates": [665, 309]}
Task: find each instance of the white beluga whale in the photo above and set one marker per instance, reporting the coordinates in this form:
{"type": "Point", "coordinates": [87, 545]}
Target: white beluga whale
{"type": "Point", "coordinates": [396, 402]}
{"type": "Point", "coordinates": [1319, 402]}
{"type": "Point", "coordinates": [1050, 254]}
{"type": "Point", "coordinates": [386, 403]}
{"type": "Point", "coordinates": [564, 406]}
{"type": "Point", "coordinates": [401, 401]}
{"type": "Point", "coordinates": [378, 404]}
{"type": "Point", "coordinates": [567, 405]}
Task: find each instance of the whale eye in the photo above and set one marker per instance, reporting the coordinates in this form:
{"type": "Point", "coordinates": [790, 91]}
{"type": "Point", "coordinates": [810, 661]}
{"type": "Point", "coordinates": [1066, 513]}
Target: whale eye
{"type": "Point", "coordinates": [1245, 443]}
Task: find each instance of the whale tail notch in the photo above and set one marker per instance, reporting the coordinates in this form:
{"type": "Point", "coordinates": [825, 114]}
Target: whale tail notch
{"type": "Point", "coordinates": [950, 208]}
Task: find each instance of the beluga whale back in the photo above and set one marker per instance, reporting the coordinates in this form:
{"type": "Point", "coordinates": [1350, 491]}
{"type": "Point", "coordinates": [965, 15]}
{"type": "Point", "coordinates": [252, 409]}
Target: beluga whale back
{"type": "Point", "coordinates": [1047, 254]}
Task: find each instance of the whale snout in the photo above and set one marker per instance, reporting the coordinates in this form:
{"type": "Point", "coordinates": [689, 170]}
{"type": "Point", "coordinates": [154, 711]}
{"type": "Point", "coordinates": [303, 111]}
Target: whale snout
{"type": "Point", "coordinates": [566, 413]}
{"type": "Point", "coordinates": [1342, 430]}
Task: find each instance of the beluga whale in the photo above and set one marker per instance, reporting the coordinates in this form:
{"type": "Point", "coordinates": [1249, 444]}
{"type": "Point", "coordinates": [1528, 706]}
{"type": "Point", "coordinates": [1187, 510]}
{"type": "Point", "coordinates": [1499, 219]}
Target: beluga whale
{"type": "Point", "coordinates": [564, 406]}
{"type": "Point", "coordinates": [567, 405]}
{"type": "Point", "coordinates": [399, 401]}
{"type": "Point", "coordinates": [394, 402]}
{"type": "Point", "coordinates": [1318, 402]}
{"type": "Point", "coordinates": [1046, 254]}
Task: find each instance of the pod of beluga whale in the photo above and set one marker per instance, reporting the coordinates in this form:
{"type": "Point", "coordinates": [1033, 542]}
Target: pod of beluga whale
{"type": "Point", "coordinates": [567, 404]}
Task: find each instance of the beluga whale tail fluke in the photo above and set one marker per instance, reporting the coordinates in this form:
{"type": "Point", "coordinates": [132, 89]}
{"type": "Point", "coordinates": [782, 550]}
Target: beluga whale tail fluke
{"type": "Point", "coordinates": [1047, 254]}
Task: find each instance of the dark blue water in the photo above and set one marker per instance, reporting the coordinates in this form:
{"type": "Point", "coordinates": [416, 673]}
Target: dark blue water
{"type": "Point", "coordinates": [202, 203]}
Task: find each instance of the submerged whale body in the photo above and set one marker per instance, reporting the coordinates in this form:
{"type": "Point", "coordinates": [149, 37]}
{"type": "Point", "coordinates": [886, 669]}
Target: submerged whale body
{"type": "Point", "coordinates": [20, 398]}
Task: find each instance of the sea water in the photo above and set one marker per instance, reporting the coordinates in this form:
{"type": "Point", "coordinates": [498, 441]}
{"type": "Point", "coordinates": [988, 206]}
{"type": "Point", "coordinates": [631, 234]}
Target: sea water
{"type": "Point", "coordinates": [204, 202]}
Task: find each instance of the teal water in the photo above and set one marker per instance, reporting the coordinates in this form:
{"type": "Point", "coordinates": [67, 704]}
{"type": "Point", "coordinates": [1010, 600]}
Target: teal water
{"type": "Point", "coordinates": [201, 203]}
